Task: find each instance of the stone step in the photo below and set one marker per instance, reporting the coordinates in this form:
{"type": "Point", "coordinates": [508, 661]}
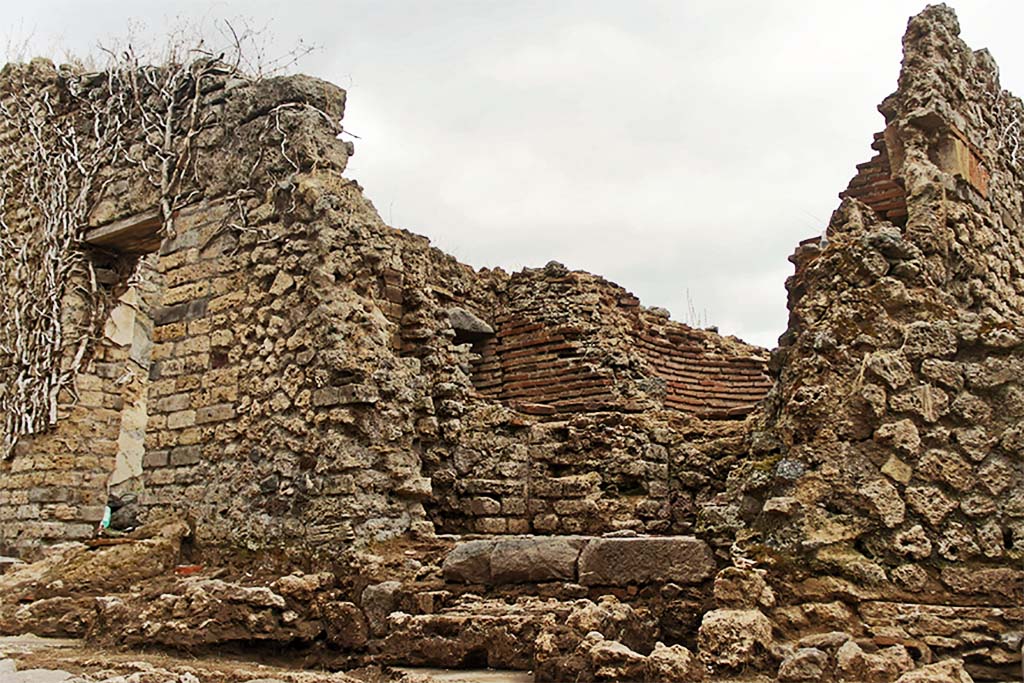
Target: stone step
{"type": "Point", "coordinates": [592, 561]}
{"type": "Point", "coordinates": [520, 634]}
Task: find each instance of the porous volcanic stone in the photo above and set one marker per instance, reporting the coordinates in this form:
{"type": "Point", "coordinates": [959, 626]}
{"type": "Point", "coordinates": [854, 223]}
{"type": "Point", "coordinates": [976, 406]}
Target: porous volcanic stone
{"type": "Point", "coordinates": [732, 638]}
{"type": "Point", "coordinates": [468, 324]}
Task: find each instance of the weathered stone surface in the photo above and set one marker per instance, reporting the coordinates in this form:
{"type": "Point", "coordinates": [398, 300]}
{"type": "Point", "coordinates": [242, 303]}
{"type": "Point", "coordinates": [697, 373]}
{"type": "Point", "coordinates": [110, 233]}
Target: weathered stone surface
{"type": "Point", "coordinates": [515, 560]}
{"type": "Point", "coordinates": [563, 649]}
{"type": "Point", "coordinates": [613, 661]}
{"type": "Point", "coordinates": [378, 601]}
{"type": "Point", "coordinates": [853, 665]}
{"type": "Point", "coordinates": [891, 367]}
{"type": "Point", "coordinates": [732, 639]}
{"type": "Point", "coordinates": [901, 435]}
{"type": "Point", "coordinates": [469, 562]}
{"type": "Point", "coordinates": [949, 671]}
{"type": "Point", "coordinates": [930, 340]}
{"type": "Point", "coordinates": [625, 561]}
{"type": "Point", "coordinates": [806, 665]}
{"type": "Point", "coordinates": [930, 503]}
{"type": "Point", "coordinates": [302, 586]}
{"type": "Point", "coordinates": [884, 501]}
{"type": "Point", "coordinates": [530, 560]}
{"type": "Point", "coordinates": [468, 324]}
{"type": "Point", "coordinates": [673, 664]}
{"type": "Point", "coordinates": [913, 543]}
{"type": "Point", "coordinates": [737, 588]}
{"type": "Point", "coordinates": [345, 626]}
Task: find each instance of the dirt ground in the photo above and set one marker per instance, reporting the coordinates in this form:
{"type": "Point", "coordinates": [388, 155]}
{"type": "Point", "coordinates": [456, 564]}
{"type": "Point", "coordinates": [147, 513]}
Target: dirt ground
{"type": "Point", "coordinates": [92, 663]}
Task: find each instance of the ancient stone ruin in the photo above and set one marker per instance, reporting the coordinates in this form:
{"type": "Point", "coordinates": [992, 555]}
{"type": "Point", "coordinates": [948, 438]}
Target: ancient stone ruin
{"type": "Point", "coordinates": [345, 445]}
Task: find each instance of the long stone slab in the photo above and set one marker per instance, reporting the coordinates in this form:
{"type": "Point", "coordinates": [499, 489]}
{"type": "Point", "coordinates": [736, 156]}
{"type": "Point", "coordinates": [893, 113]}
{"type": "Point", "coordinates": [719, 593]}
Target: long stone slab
{"type": "Point", "coordinates": [514, 560]}
{"type": "Point", "coordinates": [626, 561]}
{"type": "Point", "coordinates": [593, 561]}
{"type": "Point", "coordinates": [532, 560]}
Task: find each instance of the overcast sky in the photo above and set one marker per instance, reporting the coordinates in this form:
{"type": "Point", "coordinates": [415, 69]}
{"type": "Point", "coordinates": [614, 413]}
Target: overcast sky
{"type": "Point", "coordinates": [681, 149]}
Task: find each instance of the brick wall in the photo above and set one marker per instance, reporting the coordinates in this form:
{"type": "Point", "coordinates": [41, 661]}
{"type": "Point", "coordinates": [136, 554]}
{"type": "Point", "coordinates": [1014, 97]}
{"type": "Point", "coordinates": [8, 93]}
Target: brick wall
{"type": "Point", "coordinates": [570, 342]}
{"type": "Point", "coordinates": [704, 374]}
{"type": "Point", "coordinates": [875, 186]}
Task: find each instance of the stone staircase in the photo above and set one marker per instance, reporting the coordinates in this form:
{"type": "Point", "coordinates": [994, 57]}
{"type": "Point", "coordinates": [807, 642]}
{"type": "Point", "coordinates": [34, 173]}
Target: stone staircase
{"type": "Point", "coordinates": [501, 601]}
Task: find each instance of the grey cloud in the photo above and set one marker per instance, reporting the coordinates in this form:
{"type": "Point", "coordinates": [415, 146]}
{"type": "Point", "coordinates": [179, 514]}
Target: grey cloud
{"type": "Point", "coordinates": [669, 146]}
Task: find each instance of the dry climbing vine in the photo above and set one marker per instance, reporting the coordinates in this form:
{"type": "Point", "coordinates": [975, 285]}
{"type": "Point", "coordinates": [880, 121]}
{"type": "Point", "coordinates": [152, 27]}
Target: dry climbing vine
{"type": "Point", "coordinates": [63, 133]}
{"type": "Point", "coordinates": [46, 180]}
{"type": "Point", "coordinates": [1006, 111]}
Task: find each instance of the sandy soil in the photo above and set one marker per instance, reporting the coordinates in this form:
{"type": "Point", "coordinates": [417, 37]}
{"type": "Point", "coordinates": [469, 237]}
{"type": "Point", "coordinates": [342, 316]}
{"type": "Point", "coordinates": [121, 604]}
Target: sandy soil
{"type": "Point", "coordinates": [76, 657]}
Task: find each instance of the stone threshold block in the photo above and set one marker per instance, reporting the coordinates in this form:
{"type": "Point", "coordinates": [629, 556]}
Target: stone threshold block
{"type": "Point", "coordinates": [589, 560]}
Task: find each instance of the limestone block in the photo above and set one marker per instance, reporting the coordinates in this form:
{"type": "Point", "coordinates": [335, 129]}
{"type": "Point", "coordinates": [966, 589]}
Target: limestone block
{"type": "Point", "coordinates": [742, 589]}
{"type": "Point", "coordinates": [806, 665]}
{"type": "Point", "coordinates": [613, 661]}
{"type": "Point", "coordinates": [528, 560]}
{"type": "Point", "coordinates": [853, 665]}
{"type": "Point", "coordinates": [378, 601]}
{"type": "Point", "coordinates": [884, 500]}
{"type": "Point", "coordinates": [625, 561]}
{"type": "Point", "coordinates": [469, 562]}
{"type": "Point", "coordinates": [468, 325]}
{"type": "Point", "coordinates": [897, 470]}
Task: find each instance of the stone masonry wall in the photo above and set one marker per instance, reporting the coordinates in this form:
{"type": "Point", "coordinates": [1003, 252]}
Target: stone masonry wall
{"type": "Point", "coordinates": [891, 465]}
{"type": "Point", "coordinates": [849, 508]}
{"type": "Point", "coordinates": [310, 382]}
{"type": "Point", "coordinates": [596, 425]}
{"type": "Point", "coordinates": [55, 486]}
